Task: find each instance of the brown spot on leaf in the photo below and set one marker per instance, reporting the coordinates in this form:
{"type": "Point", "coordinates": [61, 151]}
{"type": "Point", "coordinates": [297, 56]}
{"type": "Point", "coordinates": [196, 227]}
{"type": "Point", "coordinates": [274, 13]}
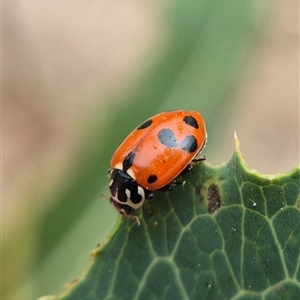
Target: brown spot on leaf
{"type": "Point", "coordinates": [214, 199]}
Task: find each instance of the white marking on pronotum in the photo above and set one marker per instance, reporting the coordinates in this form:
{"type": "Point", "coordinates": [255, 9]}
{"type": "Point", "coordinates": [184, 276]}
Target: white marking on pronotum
{"type": "Point", "coordinates": [141, 192]}
{"type": "Point", "coordinates": [119, 166]}
{"type": "Point", "coordinates": [131, 173]}
{"type": "Point", "coordinates": [128, 194]}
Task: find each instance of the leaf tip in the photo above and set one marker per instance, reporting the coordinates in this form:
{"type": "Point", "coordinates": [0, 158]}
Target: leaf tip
{"type": "Point", "coordinates": [238, 152]}
{"type": "Point", "coordinates": [236, 142]}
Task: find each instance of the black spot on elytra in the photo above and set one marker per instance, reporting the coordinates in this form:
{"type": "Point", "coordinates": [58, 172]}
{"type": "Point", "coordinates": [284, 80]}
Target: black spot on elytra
{"type": "Point", "coordinates": [152, 178]}
{"type": "Point", "coordinates": [145, 124]}
{"type": "Point", "coordinates": [214, 199]}
{"type": "Point", "coordinates": [189, 144]}
{"type": "Point", "coordinates": [167, 138]}
{"type": "Point", "coordinates": [189, 120]}
{"type": "Point", "coordinates": [128, 160]}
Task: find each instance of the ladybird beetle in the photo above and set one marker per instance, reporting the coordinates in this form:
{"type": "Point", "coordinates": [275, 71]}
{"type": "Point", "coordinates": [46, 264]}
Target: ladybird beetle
{"type": "Point", "coordinates": [152, 156]}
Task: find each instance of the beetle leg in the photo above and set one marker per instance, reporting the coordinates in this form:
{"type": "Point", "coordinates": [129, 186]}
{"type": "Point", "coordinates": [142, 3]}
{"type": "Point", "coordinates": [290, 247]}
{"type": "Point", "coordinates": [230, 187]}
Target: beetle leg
{"type": "Point", "coordinates": [137, 219]}
{"type": "Point", "coordinates": [196, 160]}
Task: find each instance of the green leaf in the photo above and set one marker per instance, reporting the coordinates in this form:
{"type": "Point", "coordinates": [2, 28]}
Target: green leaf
{"type": "Point", "coordinates": [227, 233]}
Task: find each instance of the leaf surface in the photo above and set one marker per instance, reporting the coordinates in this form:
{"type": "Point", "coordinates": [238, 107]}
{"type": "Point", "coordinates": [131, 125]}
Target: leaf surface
{"type": "Point", "coordinates": [227, 233]}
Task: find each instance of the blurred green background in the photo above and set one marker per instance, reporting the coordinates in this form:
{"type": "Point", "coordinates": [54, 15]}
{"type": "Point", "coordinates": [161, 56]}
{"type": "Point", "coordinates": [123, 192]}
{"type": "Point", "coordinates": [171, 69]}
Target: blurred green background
{"type": "Point", "coordinates": [79, 76]}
